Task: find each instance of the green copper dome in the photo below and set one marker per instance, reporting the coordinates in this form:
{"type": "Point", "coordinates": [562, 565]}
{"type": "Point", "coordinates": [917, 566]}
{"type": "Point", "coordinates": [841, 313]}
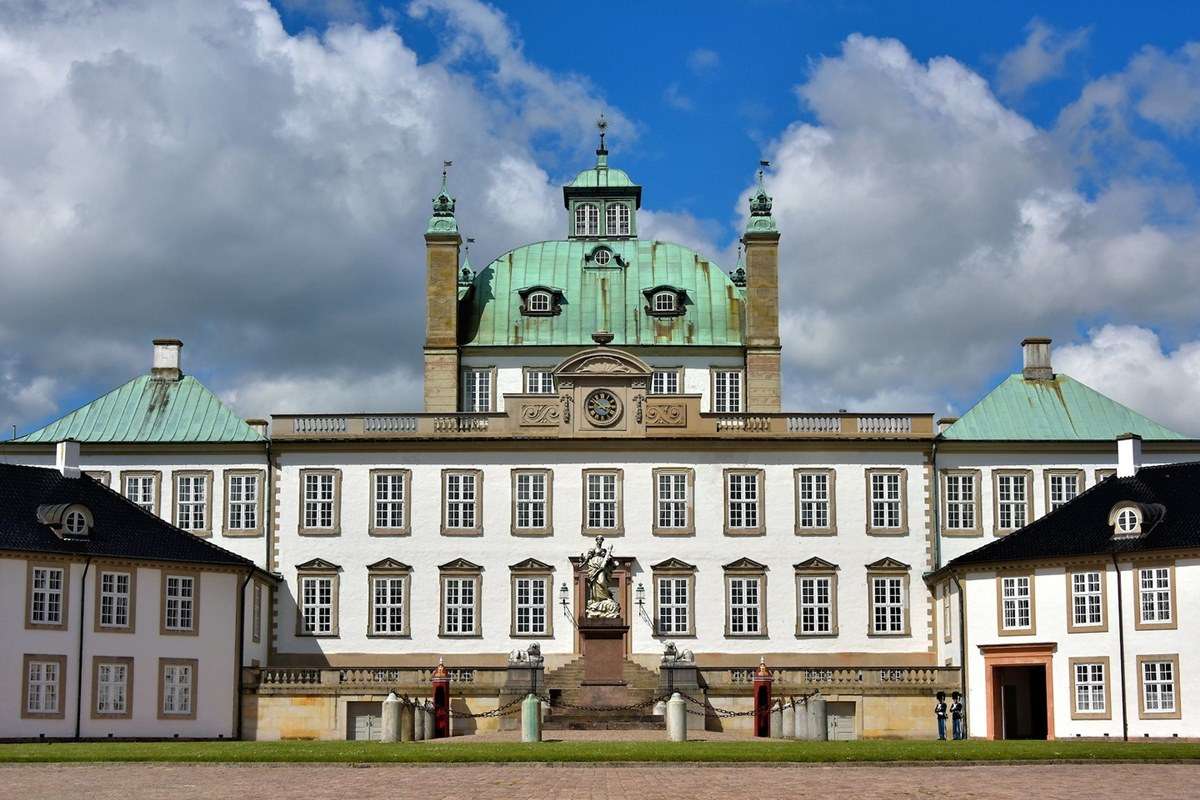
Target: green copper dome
{"type": "Point", "coordinates": [602, 178]}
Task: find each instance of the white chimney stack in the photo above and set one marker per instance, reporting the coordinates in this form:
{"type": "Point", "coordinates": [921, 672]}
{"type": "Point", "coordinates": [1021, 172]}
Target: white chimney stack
{"type": "Point", "coordinates": [66, 458]}
{"type": "Point", "coordinates": [259, 426]}
{"type": "Point", "coordinates": [1036, 353]}
{"type": "Point", "coordinates": [166, 360]}
{"type": "Point", "coordinates": [1129, 455]}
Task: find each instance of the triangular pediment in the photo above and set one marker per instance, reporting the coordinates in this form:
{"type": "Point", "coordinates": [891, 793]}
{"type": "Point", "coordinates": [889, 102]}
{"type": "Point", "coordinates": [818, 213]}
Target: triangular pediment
{"type": "Point", "coordinates": [888, 563]}
{"type": "Point", "coordinates": [461, 565]}
{"type": "Point", "coordinates": [746, 564]}
{"type": "Point", "coordinates": [674, 564]}
{"type": "Point", "coordinates": [814, 563]}
{"type": "Point", "coordinates": [531, 565]}
{"type": "Point", "coordinates": [318, 565]}
{"type": "Point", "coordinates": [389, 564]}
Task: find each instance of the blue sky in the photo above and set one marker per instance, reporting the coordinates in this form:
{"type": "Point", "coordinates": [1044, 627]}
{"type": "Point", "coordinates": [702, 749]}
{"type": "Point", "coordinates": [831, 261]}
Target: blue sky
{"type": "Point", "coordinates": [948, 177]}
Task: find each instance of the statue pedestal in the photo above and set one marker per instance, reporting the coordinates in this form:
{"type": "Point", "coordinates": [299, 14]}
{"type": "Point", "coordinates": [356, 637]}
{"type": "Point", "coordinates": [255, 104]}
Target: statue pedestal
{"type": "Point", "coordinates": [603, 648]}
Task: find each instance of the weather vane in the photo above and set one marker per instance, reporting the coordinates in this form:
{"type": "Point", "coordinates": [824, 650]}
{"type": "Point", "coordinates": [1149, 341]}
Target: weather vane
{"type": "Point", "coordinates": [446, 165]}
{"type": "Point", "coordinates": [602, 124]}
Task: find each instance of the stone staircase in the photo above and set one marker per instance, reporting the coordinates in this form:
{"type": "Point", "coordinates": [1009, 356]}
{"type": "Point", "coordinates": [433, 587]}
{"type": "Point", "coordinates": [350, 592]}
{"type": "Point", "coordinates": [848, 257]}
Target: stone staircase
{"type": "Point", "coordinates": [565, 685]}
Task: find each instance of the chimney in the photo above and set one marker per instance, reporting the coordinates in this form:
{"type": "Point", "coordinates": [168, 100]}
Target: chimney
{"type": "Point", "coordinates": [944, 423]}
{"type": "Point", "coordinates": [66, 458]}
{"type": "Point", "coordinates": [1036, 352]}
{"type": "Point", "coordinates": [259, 426]}
{"type": "Point", "coordinates": [1129, 454]}
{"type": "Point", "coordinates": [166, 360]}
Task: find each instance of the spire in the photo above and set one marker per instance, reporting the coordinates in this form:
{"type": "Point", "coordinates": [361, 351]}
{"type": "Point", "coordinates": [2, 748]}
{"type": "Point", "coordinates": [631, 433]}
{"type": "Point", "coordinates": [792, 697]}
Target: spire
{"type": "Point", "coordinates": [738, 276]}
{"type": "Point", "coordinates": [443, 220]}
{"type": "Point", "coordinates": [761, 220]}
{"type": "Point", "coordinates": [466, 275]}
{"type": "Point", "coordinates": [602, 151]}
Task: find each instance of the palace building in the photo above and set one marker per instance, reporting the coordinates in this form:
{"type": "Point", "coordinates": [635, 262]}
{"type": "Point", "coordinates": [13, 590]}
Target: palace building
{"type": "Point", "coordinates": [603, 385]}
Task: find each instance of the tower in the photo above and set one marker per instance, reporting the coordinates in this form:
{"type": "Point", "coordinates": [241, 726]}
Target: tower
{"type": "Point", "coordinates": [442, 242]}
{"type": "Point", "coordinates": [761, 238]}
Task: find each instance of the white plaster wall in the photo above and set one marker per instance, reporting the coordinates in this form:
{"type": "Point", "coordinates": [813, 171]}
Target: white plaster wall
{"type": "Point", "coordinates": [696, 371]}
{"type": "Point", "coordinates": [1051, 600]}
{"type": "Point", "coordinates": [496, 549]}
{"type": "Point", "coordinates": [251, 547]}
{"type": "Point", "coordinates": [953, 545]}
{"type": "Point", "coordinates": [214, 647]}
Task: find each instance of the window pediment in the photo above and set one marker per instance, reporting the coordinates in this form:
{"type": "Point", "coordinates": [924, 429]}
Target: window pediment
{"type": "Point", "coordinates": [318, 565]}
{"type": "Point", "coordinates": [460, 565]}
{"type": "Point", "coordinates": [673, 564]}
{"type": "Point", "coordinates": [531, 565]}
{"type": "Point", "coordinates": [389, 565]}
{"type": "Point", "coordinates": [888, 564]}
{"type": "Point", "coordinates": [815, 564]}
{"type": "Point", "coordinates": [745, 565]}
{"type": "Point", "coordinates": [603, 360]}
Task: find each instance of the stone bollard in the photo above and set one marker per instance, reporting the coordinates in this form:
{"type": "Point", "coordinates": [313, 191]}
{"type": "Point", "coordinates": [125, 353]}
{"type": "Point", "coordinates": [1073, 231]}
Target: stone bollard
{"type": "Point", "coordinates": [816, 721]}
{"type": "Point", "coordinates": [789, 719]}
{"type": "Point", "coordinates": [777, 720]}
{"type": "Point", "coordinates": [531, 719]}
{"type": "Point", "coordinates": [428, 711]}
{"type": "Point", "coordinates": [677, 718]}
{"type": "Point", "coordinates": [660, 708]}
{"type": "Point", "coordinates": [801, 721]}
{"type": "Point", "coordinates": [391, 718]}
{"type": "Point", "coordinates": [406, 721]}
{"type": "Point", "coordinates": [418, 721]}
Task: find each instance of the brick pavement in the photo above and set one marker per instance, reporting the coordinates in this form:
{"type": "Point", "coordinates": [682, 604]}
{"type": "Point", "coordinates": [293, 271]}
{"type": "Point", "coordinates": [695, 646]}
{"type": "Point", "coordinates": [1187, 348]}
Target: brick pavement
{"type": "Point", "coordinates": [531, 782]}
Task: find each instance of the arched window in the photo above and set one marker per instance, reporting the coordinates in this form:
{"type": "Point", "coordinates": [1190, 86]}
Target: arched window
{"type": "Point", "coordinates": [602, 256]}
{"type": "Point", "coordinates": [665, 302]}
{"type": "Point", "coordinates": [1127, 520]}
{"type": "Point", "coordinates": [616, 219]}
{"type": "Point", "coordinates": [539, 302]}
{"type": "Point", "coordinates": [587, 219]}
{"type": "Point", "coordinates": [75, 523]}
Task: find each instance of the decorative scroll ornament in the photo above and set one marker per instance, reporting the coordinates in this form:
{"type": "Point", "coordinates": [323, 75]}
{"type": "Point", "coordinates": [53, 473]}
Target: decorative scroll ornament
{"type": "Point", "coordinates": [666, 415]}
{"type": "Point", "coordinates": [540, 414]}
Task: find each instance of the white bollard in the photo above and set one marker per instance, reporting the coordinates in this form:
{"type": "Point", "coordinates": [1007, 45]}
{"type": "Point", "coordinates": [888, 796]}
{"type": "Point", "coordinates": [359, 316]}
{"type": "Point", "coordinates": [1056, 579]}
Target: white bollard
{"type": "Point", "coordinates": [817, 723]}
{"type": "Point", "coordinates": [531, 719]}
{"type": "Point", "coordinates": [660, 708]}
{"type": "Point", "coordinates": [418, 721]}
{"type": "Point", "coordinates": [428, 711]}
{"type": "Point", "coordinates": [391, 718]}
{"type": "Point", "coordinates": [801, 721]}
{"type": "Point", "coordinates": [777, 720]}
{"type": "Point", "coordinates": [789, 719]}
{"type": "Point", "coordinates": [677, 718]}
{"type": "Point", "coordinates": [406, 721]}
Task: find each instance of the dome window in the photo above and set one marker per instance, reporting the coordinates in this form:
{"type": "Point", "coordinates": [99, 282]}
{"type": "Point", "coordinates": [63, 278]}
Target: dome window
{"type": "Point", "coordinates": [75, 523]}
{"type": "Point", "coordinates": [587, 219]}
{"type": "Point", "coordinates": [602, 257]}
{"type": "Point", "coordinates": [616, 219]}
{"type": "Point", "coordinates": [1128, 521]}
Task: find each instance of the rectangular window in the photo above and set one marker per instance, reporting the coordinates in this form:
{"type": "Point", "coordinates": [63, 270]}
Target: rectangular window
{"type": "Point", "coordinates": [1063, 487]}
{"type": "Point", "coordinates": [886, 510]}
{"type": "Point", "coordinates": [389, 500]}
{"type": "Point", "coordinates": [727, 392]}
{"type": "Point", "coordinates": [1155, 591]}
{"type": "Point", "coordinates": [531, 606]}
{"type": "Point", "coordinates": [462, 493]}
{"type": "Point", "coordinates": [316, 603]}
{"type": "Point", "coordinates": [112, 687]}
{"type": "Point", "coordinates": [459, 604]}
{"type": "Point", "coordinates": [43, 686]}
{"type": "Point", "coordinates": [960, 501]}
{"type": "Point", "coordinates": [388, 605]}
{"type": "Point", "coordinates": [1087, 599]}
{"type": "Point", "coordinates": [664, 381]}
{"type": "Point", "coordinates": [191, 502]}
{"type": "Point", "coordinates": [813, 501]}
{"type": "Point", "coordinates": [46, 596]}
{"type": "Point", "coordinates": [319, 491]}
{"type": "Point", "coordinates": [531, 500]}
{"type": "Point", "coordinates": [887, 602]}
{"type": "Point", "coordinates": [1158, 686]}
{"type": "Point", "coordinates": [256, 614]}
{"type": "Point", "coordinates": [947, 633]}
{"type": "Point", "coordinates": [114, 599]}
{"type": "Point", "coordinates": [139, 489]}
{"type": "Point", "coordinates": [744, 608]}
{"type": "Point", "coordinates": [1012, 501]}
{"type": "Point", "coordinates": [673, 606]}
{"type": "Point", "coordinates": [671, 500]}
{"type": "Point", "coordinates": [178, 689]}
{"type": "Point", "coordinates": [179, 602]}
{"type": "Point", "coordinates": [601, 500]}
{"type": "Point", "coordinates": [1017, 609]}
{"type": "Point", "coordinates": [477, 391]}
{"type": "Point", "coordinates": [1090, 694]}
{"type": "Point", "coordinates": [742, 500]}
{"type": "Point", "coordinates": [816, 605]}
{"type": "Point", "coordinates": [539, 381]}
{"type": "Point", "coordinates": [243, 498]}
{"type": "Point", "coordinates": [616, 219]}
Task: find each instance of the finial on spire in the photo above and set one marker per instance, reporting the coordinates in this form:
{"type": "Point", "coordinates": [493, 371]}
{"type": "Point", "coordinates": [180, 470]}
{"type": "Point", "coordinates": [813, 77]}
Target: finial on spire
{"type": "Point", "coordinates": [466, 275]}
{"type": "Point", "coordinates": [602, 124]}
{"type": "Point", "coordinates": [761, 220]}
{"type": "Point", "coordinates": [738, 276]}
{"type": "Point", "coordinates": [443, 207]}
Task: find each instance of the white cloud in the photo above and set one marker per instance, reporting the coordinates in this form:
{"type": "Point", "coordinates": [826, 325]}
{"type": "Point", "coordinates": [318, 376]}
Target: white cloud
{"type": "Point", "coordinates": [703, 61]}
{"type": "Point", "coordinates": [1040, 57]}
{"type": "Point", "coordinates": [1129, 364]}
{"type": "Point", "coordinates": [927, 229]}
{"type": "Point", "coordinates": [674, 97]}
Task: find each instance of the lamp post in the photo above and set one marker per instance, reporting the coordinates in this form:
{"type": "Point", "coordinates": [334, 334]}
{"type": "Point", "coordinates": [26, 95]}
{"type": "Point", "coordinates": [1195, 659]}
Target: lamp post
{"type": "Point", "coordinates": [563, 593]}
{"type": "Point", "coordinates": [640, 597]}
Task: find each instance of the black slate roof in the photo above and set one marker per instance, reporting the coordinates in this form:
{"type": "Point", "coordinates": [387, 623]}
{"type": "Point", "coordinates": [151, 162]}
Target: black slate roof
{"type": "Point", "coordinates": [121, 529]}
{"type": "Point", "coordinates": [1081, 528]}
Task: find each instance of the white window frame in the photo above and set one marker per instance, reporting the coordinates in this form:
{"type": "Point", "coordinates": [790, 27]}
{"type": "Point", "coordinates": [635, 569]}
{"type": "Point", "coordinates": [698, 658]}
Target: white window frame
{"type": "Point", "coordinates": [43, 687]}
{"type": "Point", "coordinates": [389, 500]}
{"type": "Point", "coordinates": [112, 688]}
{"type": "Point", "coordinates": [1091, 679]}
{"type": "Point", "coordinates": [139, 489]}
{"type": "Point", "coordinates": [1016, 611]}
{"type": "Point", "coordinates": [178, 689]}
{"type": "Point", "coordinates": [320, 500]}
{"type": "Point", "coordinates": [887, 501]}
{"type": "Point", "coordinates": [1087, 598]}
{"type": "Point", "coordinates": [672, 500]}
{"type": "Point", "coordinates": [318, 595]}
{"type": "Point", "coordinates": [47, 590]}
{"type": "Point", "coordinates": [1155, 595]}
{"type": "Point", "coordinates": [462, 501]}
{"type": "Point", "coordinates": [477, 390]}
{"type": "Point", "coordinates": [814, 506]}
{"type": "Point", "coordinates": [674, 605]}
{"type": "Point", "coordinates": [815, 605]}
{"type": "Point", "coordinates": [1012, 501]}
{"type": "Point", "coordinates": [616, 219]}
{"type": "Point", "coordinates": [1058, 490]}
{"type": "Point", "coordinates": [664, 381]}
{"type": "Point", "coordinates": [728, 391]}
{"type": "Point", "coordinates": [531, 613]}
{"type": "Point", "coordinates": [389, 605]}
{"type": "Point", "coordinates": [244, 491]}
{"type": "Point", "coordinates": [743, 500]}
{"type": "Point", "coordinates": [602, 490]}
{"type": "Point", "coordinates": [531, 503]}
{"type": "Point", "coordinates": [664, 302]}
{"type": "Point", "coordinates": [539, 302]}
{"type": "Point", "coordinates": [115, 602]}
{"type": "Point", "coordinates": [587, 219]}
{"type": "Point", "coordinates": [459, 603]}
{"type": "Point", "coordinates": [191, 501]}
{"type": "Point", "coordinates": [179, 603]}
{"type": "Point", "coordinates": [745, 601]}
{"type": "Point", "coordinates": [1160, 687]}
{"type": "Point", "coordinates": [539, 381]}
{"type": "Point", "coordinates": [889, 605]}
{"type": "Point", "coordinates": [962, 493]}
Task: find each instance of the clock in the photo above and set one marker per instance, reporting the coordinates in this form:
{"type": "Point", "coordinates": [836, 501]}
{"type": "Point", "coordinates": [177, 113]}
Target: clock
{"type": "Point", "coordinates": [602, 407]}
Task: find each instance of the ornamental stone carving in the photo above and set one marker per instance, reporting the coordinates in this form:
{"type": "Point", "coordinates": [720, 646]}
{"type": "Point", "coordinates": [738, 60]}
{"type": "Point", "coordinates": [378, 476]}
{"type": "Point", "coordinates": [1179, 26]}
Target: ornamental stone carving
{"type": "Point", "coordinates": [666, 415]}
{"type": "Point", "coordinates": [540, 414]}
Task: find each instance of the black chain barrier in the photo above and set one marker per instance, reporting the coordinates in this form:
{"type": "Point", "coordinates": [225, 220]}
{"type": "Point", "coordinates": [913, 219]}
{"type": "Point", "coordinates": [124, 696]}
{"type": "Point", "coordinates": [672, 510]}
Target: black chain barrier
{"type": "Point", "coordinates": [630, 707]}
{"type": "Point", "coordinates": [705, 707]}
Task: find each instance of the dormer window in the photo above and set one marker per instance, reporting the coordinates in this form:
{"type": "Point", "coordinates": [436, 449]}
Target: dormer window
{"type": "Point", "coordinates": [1130, 520]}
{"type": "Point", "coordinates": [665, 301]}
{"type": "Point", "coordinates": [75, 523]}
{"type": "Point", "coordinates": [616, 219]}
{"type": "Point", "coordinates": [67, 520]}
{"type": "Point", "coordinates": [587, 219]}
{"type": "Point", "coordinates": [539, 302]}
{"type": "Point", "coordinates": [602, 257]}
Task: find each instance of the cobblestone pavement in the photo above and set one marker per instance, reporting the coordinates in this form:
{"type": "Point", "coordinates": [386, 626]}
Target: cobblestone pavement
{"type": "Point", "coordinates": [530, 782]}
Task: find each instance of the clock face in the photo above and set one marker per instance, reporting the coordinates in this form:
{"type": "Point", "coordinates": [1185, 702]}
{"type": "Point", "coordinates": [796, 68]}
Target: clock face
{"type": "Point", "coordinates": [602, 407]}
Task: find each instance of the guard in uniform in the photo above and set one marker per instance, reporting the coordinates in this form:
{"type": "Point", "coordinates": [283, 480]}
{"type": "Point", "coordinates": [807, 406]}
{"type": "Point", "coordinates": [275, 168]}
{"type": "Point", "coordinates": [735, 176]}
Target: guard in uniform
{"type": "Point", "coordinates": [939, 711]}
{"type": "Point", "coordinates": [956, 715]}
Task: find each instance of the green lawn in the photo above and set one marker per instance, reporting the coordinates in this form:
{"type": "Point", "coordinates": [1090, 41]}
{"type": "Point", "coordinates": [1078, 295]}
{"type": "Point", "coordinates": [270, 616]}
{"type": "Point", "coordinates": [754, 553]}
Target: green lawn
{"type": "Point", "coordinates": [728, 751]}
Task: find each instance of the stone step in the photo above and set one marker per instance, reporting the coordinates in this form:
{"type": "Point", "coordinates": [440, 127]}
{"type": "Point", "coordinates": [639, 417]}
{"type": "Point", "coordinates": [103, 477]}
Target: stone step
{"type": "Point", "coordinates": [608, 721]}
